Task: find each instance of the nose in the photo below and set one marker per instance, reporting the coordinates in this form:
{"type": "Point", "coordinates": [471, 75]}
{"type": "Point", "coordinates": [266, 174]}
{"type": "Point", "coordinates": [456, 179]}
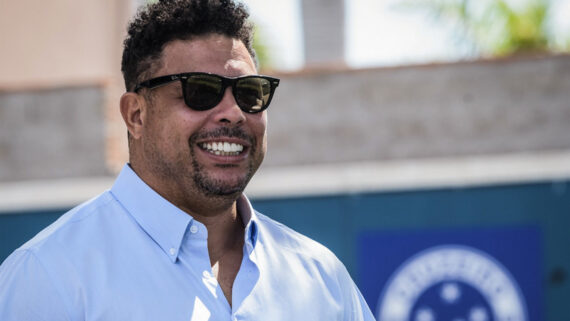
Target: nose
{"type": "Point", "coordinates": [228, 111]}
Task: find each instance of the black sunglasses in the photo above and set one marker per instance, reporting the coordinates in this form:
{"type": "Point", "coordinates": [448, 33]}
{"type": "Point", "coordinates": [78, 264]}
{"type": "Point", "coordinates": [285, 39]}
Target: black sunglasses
{"type": "Point", "coordinates": [203, 91]}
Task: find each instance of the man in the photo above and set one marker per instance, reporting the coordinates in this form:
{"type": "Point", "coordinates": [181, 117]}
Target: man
{"type": "Point", "coordinates": [175, 238]}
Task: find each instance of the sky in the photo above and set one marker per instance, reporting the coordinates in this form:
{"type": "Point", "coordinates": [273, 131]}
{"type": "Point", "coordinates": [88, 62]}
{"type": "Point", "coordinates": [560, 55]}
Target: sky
{"type": "Point", "coordinates": [377, 33]}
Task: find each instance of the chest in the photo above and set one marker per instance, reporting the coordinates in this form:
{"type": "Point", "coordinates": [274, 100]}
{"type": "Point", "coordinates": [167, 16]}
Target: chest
{"type": "Point", "coordinates": [148, 285]}
{"type": "Point", "coordinates": [139, 290]}
{"type": "Point", "coordinates": [226, 270]}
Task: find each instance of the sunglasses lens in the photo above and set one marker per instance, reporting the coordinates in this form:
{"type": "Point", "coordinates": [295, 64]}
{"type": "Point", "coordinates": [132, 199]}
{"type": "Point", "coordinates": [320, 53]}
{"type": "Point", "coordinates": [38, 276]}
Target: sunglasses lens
{"type": "Point", "coordinates": [252, 93]}
{"type": "Point", "coordinates": [203, 92]}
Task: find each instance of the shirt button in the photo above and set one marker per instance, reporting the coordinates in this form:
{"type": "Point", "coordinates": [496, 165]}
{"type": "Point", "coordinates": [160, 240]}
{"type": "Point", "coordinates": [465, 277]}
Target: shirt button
{"type": "Point", "coordinates": [206, 274]}
{"type": "Point", "coordinates": [172, 251]}
{"type": "Point", "coordinates": [193, 229]}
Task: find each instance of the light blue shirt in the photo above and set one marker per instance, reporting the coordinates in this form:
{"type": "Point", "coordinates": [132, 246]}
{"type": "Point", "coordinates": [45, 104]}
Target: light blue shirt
{"type": "Point", "coordinates": [129, 254]}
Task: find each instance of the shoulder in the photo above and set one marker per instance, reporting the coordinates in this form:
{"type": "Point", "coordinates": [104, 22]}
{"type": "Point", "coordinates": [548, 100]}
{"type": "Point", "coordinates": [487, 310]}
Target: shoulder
{"type": "Point", "coordinates": [47, 269]}
{"type": "Point", "coordinates": [313, 263]}
{"type": "Point", "coordinates": [71, 226]}
{"type": "Point", "coordinates": [284, 238]}
{"type": "Point", "coordinates": [28, 291]}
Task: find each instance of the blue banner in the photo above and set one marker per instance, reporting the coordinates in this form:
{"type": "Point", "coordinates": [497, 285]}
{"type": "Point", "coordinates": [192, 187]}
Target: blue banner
{"type": "Point", "coordinates": [478, 274]}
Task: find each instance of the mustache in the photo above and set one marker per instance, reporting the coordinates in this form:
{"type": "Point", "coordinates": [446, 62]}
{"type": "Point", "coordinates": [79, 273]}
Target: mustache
{"type": "Point", "coordinates": [235, 132]}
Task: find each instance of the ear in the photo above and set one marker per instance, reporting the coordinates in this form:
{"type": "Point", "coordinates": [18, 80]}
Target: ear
{"type": "Point", "coordinates": [132, 106]}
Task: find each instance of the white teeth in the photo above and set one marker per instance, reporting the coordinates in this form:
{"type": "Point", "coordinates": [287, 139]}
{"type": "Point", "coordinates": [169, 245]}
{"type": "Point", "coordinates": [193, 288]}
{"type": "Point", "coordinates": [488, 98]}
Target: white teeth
{"type": "Point", "coordinates": [223, 148]}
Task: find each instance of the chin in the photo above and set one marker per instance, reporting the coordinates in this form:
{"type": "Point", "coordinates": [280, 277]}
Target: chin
{"type": "Point", "coordinates": [222, 187]}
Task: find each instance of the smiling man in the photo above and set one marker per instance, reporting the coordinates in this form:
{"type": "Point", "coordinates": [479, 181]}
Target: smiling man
{"type": "Point", "coordinates": [175, 238]}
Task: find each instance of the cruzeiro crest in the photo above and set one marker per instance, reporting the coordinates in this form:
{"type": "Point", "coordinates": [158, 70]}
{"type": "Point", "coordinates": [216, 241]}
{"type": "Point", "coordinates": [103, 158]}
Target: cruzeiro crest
{"type": "Point", "coordinates": [451, 283]}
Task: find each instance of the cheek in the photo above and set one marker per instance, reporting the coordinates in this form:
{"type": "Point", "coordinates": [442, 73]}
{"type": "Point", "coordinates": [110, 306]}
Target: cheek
{"type": "Point", "coordinates": [264, 144]}
{"type": "Point", "coordinates": [263, 129]}
{"type": "Point", "coordinates": [261, 133]}
{"type": "Point", "coordinates": [259, 124]}
{"type": "Point", "coordinates": [169, 124]}
{"type": "Point", "coordinates": [169, 135]}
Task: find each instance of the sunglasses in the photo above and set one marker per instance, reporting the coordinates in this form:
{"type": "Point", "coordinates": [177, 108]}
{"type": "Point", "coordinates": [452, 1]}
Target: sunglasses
{"type": "Point", "coordinates": [203, 91]}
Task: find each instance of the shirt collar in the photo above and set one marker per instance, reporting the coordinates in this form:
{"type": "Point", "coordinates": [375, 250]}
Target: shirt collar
{"type": "Point", "coordinates": [249, 219]}
{"type": "Point", "coordinates": [165, 223]}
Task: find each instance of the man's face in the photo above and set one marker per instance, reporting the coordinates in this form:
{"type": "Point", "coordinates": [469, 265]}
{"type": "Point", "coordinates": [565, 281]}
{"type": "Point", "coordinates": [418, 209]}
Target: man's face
{"type": "Point", "coordinates": [177, 143]}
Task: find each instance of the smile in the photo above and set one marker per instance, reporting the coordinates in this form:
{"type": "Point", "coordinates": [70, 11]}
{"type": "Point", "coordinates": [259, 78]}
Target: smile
{"type": "Point", "coordinates": [222, 148]}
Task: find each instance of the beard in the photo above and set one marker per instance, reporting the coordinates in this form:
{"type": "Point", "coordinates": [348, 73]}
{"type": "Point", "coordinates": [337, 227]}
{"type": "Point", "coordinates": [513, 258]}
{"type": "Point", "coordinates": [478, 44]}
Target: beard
{"type": "Point", "coordinates": [211, 186]}
{"type": "Point", "coordinates": [183, 178]}
{"type": "Point", "coordinates": [215, 187]}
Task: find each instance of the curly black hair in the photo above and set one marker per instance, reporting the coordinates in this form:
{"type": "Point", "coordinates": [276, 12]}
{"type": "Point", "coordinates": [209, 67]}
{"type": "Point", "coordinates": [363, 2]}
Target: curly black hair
{"type": "Point", "coordinates": [158, 23]}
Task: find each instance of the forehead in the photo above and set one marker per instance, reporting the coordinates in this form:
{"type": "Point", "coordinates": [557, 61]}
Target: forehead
{"type": "Point", "coordinates": [211, 53]}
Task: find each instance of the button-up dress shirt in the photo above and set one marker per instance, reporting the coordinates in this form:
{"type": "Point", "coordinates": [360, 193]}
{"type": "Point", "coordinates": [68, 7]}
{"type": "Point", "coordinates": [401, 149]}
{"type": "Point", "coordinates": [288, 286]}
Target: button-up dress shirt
{"type": "Point", "coordinates": [129, 254]}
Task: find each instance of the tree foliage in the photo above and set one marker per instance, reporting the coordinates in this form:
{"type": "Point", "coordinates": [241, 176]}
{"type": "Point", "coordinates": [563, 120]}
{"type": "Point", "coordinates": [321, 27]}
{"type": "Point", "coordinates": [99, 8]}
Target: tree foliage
{"type": "Point", "coordinates": [496, 27]}
{"type": "Point", "coordinates": [261, 50]}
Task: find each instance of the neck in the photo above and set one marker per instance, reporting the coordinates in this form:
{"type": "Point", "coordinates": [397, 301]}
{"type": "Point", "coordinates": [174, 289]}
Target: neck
{"type": "Point", "coordinates": [225, 232]}
{"type": "Point", "coordinates": [225, 246]}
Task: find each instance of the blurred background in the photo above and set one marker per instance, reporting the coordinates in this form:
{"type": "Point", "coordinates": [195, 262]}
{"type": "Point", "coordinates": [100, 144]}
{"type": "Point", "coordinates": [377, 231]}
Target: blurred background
{"type": "Point", "coordinates": [425, 142]}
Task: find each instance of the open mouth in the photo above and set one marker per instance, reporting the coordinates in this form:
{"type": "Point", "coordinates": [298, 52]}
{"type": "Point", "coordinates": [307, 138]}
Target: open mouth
{"type": "Point", "coordinates": [222, 148]}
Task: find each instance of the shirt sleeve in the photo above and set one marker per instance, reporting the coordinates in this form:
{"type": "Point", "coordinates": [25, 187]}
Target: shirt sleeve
{"type": "Point", "coordinates": [355, 307]}
{"type": "Point", "coordinates": [359, 310]}
{"type": "Point", "coordinates": [27, 292]}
